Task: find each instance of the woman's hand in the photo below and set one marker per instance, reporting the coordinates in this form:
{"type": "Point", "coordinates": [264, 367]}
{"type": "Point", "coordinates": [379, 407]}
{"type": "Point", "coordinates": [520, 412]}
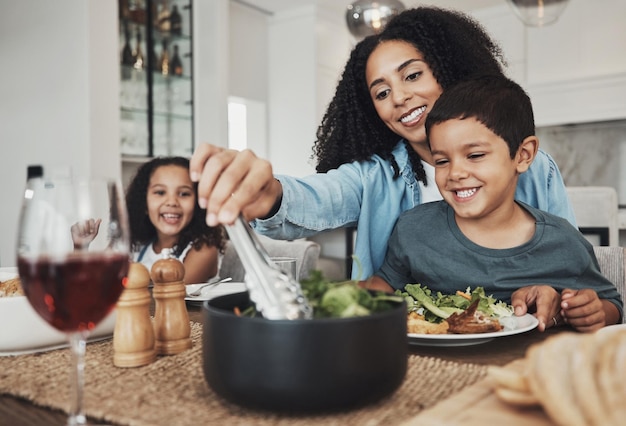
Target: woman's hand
{"type": "Point", "coordinates": [545, 300]}
{"type": "Point", "coordinates": [232, 182]}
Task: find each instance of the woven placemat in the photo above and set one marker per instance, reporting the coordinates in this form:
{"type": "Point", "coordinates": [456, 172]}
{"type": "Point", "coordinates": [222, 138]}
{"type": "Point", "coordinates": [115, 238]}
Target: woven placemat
{"type": "Point", "coordinates": [172, 389]}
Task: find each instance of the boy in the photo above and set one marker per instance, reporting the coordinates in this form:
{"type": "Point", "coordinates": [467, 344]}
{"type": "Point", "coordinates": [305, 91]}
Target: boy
{"type": "Point", "coordinates": [482, 137]}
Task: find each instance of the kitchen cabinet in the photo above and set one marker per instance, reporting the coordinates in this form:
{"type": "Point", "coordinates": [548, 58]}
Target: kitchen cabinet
{"type": "Point", "coordinates": [156, 79]}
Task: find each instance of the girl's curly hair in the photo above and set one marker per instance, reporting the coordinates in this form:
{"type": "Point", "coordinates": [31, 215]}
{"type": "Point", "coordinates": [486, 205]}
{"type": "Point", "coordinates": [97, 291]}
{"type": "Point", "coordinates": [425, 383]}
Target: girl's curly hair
{"type": "Point", "coordinates": [143, 232]}
{"type": "Point", "coordinates": [454, 46]}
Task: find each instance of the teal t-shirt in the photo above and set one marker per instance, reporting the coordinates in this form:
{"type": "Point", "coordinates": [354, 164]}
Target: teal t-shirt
{"type": "Point", "coordinates": [427, 247]}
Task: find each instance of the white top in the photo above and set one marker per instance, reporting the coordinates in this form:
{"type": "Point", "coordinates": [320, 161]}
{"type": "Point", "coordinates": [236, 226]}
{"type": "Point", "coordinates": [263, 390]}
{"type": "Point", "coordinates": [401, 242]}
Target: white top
{"type": "Point", "coordinates": [430, 192]}
{"type": "Point", "coordinates": [147, 256]}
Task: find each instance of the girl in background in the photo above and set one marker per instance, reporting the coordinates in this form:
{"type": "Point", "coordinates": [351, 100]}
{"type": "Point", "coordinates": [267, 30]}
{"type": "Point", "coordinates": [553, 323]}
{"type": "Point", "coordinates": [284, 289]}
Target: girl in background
{"type": "Point", "coordinates": [164, 214]}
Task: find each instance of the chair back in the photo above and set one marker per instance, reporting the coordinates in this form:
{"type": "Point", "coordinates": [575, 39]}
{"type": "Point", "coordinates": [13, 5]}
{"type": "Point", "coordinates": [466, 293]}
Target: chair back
{"type": "Point", "coordinates": [612, 262]}
{"type": "Point", "coordinates": [596, 211]}
{"type": "Point", "coordinates": [306, 253]}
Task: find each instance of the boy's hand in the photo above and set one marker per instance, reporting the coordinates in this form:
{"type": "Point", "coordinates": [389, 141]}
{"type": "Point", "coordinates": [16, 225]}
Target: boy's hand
{"type": "Point", "coordinates": [582, 309]}
{"type": "Point", "coordinates": [545, 300]}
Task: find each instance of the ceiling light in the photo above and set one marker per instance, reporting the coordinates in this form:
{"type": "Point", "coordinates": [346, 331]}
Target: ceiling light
{"type": "Point", "coordinates": [537, 13]}
{"type": "Point", "coordinates": [366, 17]}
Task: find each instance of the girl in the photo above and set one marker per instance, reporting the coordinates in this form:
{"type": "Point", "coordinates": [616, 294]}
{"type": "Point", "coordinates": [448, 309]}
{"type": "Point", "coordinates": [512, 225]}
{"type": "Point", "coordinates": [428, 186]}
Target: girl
{"type": "Point", "coordinates": [164, 214]}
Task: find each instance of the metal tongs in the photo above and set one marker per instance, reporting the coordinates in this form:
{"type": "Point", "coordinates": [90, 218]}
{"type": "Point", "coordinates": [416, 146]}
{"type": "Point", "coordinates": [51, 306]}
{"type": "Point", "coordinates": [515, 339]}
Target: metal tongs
{"type": "Point", "coordinates": [275, 294]}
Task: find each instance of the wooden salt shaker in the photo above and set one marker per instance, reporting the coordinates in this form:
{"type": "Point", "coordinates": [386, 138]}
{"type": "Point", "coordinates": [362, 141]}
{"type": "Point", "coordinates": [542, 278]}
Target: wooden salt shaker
{"type": "Point", "coordinates": [171, 319]}
{"type": "Point", "coordinates": [133, 336]}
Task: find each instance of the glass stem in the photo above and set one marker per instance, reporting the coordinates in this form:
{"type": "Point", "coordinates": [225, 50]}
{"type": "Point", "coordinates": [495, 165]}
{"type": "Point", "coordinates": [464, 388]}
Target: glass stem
{"type": "Point", "coordinates": [77, 379]}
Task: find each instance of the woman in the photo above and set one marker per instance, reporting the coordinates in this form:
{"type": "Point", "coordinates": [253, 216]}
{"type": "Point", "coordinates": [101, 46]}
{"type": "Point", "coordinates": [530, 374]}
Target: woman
{"type": "Point", "coordinates": [373, 157]}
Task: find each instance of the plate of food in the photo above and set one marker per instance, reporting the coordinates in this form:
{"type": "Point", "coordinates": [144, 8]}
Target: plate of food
{"type": "Point", "coordinates": [461, 319]}
{"type": "Point", "coordinates": [28, 332]}
{"type": "Point", "coordinates": [211, 291]}
{"type": "Point", "coordinates": [511, 325]}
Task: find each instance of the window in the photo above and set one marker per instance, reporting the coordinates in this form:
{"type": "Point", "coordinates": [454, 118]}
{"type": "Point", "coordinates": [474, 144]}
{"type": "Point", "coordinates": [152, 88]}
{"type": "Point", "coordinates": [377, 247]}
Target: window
{"type": "Point", "coordinates": [247, 125]}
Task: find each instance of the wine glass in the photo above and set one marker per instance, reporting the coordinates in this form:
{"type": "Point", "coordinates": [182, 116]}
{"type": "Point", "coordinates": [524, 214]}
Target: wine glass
{"type": "Point", "coordinates": [73, 258]}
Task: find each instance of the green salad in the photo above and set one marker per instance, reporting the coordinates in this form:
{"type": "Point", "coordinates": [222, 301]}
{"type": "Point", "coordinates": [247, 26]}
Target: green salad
{"type": "Point", "coordinates": [435, 307]}
{"type": "Point", "coordinates": [343, 299]}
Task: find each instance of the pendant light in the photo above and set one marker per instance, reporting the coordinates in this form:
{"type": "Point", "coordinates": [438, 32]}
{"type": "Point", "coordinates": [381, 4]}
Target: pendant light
{"type": "Point", "coordinates": [537, 13]}
{"type": "Point", "coordinates": [366, 17]}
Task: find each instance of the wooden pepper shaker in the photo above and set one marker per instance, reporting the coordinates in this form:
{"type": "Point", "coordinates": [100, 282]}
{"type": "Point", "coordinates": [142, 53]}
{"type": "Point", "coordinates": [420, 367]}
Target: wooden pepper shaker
{"type": "Point", "coordinates": [171, 319]}
{"type": "Point", "coordinates": [133, 336]}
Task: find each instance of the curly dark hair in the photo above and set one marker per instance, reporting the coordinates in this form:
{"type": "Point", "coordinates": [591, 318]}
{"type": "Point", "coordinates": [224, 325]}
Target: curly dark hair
{"type": "Point", "coordinates": [143, 232]}
{"type": "Point", "coordinates": [454, 46]}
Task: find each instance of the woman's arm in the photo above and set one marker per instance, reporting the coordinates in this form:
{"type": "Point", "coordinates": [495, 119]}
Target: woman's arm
{"type": "Point", "coordinates": [315, 203]}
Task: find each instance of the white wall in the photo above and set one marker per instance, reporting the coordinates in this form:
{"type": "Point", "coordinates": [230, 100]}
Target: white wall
{"type": "Point", "coordinates": [249, 67]}
{"type": "Point", "coordinates": [58, 96]}
{"type": "Point", "coordinates": [292, 85]}
{"type": "Point", "coordinates": [573, 69]}
{"type": "Point", "coordinates": [211, 32]}
{"type": "Point", "coordinates": [307, 52]}
{"type": "Point", "coordinates": [248, 53]}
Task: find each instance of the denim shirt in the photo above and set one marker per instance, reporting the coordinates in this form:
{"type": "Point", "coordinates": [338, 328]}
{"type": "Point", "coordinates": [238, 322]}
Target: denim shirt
{"type": "Point", "coordinates": [366, 195]}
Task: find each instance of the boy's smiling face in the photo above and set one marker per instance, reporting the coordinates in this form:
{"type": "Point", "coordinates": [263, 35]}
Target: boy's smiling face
{"type": "Point", "coordinates": [474, 170]}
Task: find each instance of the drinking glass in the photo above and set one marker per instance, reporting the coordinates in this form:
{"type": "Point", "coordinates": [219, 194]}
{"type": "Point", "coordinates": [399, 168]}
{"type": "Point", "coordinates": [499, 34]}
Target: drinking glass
{"type": "Point", "coordinates": [73, 258]}
{"type": "Point", "coordinates": [286, 264]}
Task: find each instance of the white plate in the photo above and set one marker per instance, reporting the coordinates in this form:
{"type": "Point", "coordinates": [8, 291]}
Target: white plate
{"type": "Point", "coordinates": [210, 292]}
{"type": "Point", "coordinates": [512, 325]}
{"type": "Point", "coordinates": [24, 331]}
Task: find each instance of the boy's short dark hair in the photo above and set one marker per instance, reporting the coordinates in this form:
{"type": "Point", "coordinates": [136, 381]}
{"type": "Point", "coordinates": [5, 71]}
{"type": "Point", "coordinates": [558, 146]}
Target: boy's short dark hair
{"type": "Point", "coordinates": [495, 101]}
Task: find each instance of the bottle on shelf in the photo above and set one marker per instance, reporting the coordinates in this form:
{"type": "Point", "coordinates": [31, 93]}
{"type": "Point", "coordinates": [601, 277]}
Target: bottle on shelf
{"type": "Point", "coordinates": [32, 190]}
{"type": "Point", "coordinates": [34, 173]}
{"type": "Point", "coordinates": [124, 9]}
{"type": "Point", "coordinates": [156, 65]}
{"type": "Point", "coordinates": [164, 63]}
{"type": "Point", "coordinates": [128, 59]}
{"type": "Point", "coordinates": [139, 61]}
{"type": "Point", "coordinates": [176, 21]}
{"type": "Point", "coordinates": [154, 14]}
{"type": "Point", "coordinates": [137, 11]}
{"type": "Point", "coordinates": [176, 65]}
{"type": "Point", "coordinates": [163, 18]}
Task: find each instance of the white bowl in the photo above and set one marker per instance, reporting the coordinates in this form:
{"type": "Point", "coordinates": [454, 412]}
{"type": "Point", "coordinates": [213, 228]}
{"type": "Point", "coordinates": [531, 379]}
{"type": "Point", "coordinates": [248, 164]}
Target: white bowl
{"type": "Point", "coordinates": [24, 331]}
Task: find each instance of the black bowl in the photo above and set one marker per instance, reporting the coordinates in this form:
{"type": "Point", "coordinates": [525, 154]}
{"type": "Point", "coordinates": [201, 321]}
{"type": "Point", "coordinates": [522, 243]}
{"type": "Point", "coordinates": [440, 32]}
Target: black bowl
{"type": "Point", "coordinates": [302, 365]}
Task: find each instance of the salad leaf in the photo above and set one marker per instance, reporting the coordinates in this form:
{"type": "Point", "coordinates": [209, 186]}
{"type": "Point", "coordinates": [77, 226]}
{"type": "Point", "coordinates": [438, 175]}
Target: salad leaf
{"type": "Point", "coordinates": [343, 299]}
{"type": "Point", "coordinates": [437, 307]}
{"type": "Point", "coordinates": [490, 305]}
{"type": "Point", "coordinates": [423, 298]}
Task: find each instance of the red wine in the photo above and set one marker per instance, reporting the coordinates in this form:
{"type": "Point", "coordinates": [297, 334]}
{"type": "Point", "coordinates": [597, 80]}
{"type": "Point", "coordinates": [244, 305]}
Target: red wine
{"type": "Point", "coordinates": [77, 293]}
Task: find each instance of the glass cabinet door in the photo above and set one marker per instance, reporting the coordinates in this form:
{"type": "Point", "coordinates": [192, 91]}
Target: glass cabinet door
{"type": "Point", "coordinates": [156, 84]}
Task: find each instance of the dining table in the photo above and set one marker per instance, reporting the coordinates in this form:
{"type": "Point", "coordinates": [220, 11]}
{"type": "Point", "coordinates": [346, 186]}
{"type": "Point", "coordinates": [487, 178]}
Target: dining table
{"type": "Point", "coordinates": [443, 385]}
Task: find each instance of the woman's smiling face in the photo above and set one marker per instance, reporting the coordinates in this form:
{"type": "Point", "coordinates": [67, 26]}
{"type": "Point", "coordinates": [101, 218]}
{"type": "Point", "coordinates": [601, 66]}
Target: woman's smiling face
{"type": "Point", "coordinates": [403, 88]}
